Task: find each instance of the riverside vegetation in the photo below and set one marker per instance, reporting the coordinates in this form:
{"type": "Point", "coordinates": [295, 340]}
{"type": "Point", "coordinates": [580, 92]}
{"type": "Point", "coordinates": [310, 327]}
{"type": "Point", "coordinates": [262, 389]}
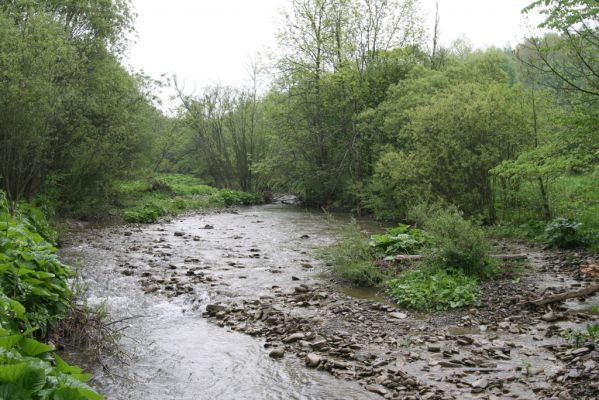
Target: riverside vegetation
{"type": "Point", "coordinates": [366, 112]}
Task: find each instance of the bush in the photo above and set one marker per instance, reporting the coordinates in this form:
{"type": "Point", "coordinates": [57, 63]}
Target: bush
{"type": "Point", "coordinates": [351, 258]}
{"type": "Point", "coordinates": [459, 243]}
{"type": "Point", "coordinates": [564, 233]}
{"type": "Point", "coordinates": [430, 290]}
{"type": "Point", "coordinates": [147, 214]}
{"type": "Point", "coordinates": [400, 240]}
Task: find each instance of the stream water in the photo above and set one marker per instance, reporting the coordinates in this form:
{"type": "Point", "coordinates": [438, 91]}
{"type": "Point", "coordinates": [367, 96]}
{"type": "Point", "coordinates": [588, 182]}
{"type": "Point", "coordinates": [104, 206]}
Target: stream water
{"type": "Point", "coordinates": [177, 354]}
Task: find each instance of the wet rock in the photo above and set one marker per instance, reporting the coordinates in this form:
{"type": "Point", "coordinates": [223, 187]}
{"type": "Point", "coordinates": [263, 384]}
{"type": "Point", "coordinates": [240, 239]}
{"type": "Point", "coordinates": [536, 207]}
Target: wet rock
{"type": "Point", "coordinates": [213, 309]}
{"type": "Point", "coordinates": [179, 234]}
{"type": "Point", "coordinates": [378, 389]}
{"type": "Point", "coordinates": [480, 385]}
{"type": "Point", "coordinates": [208, 226]}
{"type": "Point", "coordinates": [294, 338]}
{"type": "Point", "coordinates": [128, 233]}
{"type": "Point", "coordinates": [277, 353]}
{"type": "Point", "coordinates": [295, 278]}
{"type": "Point", "coordinates": [312, 360]}
{"type": "Point", "coordinates": [433, 348]}
{"type": "Point", "coordinates": [307, 266]}
{"type": "Point", "coordinates": [305, 237]}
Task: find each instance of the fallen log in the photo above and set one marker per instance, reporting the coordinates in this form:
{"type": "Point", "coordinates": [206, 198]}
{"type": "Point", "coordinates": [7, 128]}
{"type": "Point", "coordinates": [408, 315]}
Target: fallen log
{"type": "Point", "coordinates": [505, 257]}
{"type": "Point", "coordinates": [565, 296]}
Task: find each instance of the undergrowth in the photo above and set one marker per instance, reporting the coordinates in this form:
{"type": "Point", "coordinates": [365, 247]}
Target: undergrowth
{"type": "Point", "coordinates": [434, 290]}
{"type": "Point", "coordinates": [146, 200]}
{"type": "Point", "coordinates": [34, 297]}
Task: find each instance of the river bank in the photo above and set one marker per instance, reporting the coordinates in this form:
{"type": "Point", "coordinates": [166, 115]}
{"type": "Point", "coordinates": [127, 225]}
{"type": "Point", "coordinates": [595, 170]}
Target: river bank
{"type": "Point", "coordinates": [255, 269]}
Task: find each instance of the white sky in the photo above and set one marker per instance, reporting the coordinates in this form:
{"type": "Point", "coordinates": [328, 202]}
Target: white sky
{"type": "Point", "coordinates": [205, 42]}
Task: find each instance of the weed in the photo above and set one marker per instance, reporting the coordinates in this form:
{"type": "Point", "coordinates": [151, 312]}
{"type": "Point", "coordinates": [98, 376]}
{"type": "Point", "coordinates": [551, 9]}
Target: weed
{"type": "Point", "coordinates": [351, 258]}
{"type": "Point", "coordinates": [430, 290]}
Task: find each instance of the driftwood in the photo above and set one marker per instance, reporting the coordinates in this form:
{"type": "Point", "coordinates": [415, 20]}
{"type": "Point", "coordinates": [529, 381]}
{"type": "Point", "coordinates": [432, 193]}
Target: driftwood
{"type": "Point", "coordinates": [416, 257]}
{"type": "Point", "coordinates": [565, 296]}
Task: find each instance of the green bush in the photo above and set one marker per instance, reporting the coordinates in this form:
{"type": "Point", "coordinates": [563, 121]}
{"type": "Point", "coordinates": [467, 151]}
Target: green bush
{"type": "Point", "coordinates": [438, 290]}
{"type": "Point", "coordinates": [400, 240]}
{"type": "Point", "coordinates": [564, 233]}
{"type": "Point", "coordinates": [459, 243]}
{"type": "Point", "coordinates": [234, 197]}
{"type": "Point", "coordinates": [147, 214]}
{"type": "Point", "coordinates": [351, 258]}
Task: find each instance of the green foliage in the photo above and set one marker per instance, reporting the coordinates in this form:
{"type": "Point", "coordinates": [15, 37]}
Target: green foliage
{"type": "Point", "coordinates": [149, 199]}
{"type": "Point", "coordinates": [436, 290]}
{"type": "Point", "coordinates": [351, 258]}
{"type": "Point", "coordinates": [30, 271]}
{"type": "Point", "coordinates": [564, 233]}
{"type": "Point", "coordinates": [146, 214]}
{"type": "Point", "coordinates": [34, 295]}
{"type": "Point", "coordinates": [459, 243]}
{"type": "Point", "coordinates": [400, 240]}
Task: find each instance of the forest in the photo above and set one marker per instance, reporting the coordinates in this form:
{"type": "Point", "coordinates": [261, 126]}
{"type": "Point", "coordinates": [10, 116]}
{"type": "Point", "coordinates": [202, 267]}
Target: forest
{"type": "Point", "coordinates": [363, 112]}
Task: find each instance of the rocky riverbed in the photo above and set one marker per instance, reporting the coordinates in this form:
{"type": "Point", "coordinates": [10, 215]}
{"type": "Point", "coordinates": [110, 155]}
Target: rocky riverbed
{"type": "Point", "coordinates": [253, 273]}
{"type": "Point", "coordinates": [505, 349]}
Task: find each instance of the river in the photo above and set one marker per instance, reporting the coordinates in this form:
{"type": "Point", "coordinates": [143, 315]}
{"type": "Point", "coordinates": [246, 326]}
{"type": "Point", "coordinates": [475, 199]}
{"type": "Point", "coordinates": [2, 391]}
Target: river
{"type": "Point", "coordinates": [164, 274]}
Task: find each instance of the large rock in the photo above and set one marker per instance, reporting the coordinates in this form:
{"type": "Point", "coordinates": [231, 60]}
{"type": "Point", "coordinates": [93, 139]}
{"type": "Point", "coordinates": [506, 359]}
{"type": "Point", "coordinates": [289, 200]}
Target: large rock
{"type": "Point", "coordinates": [294, 338]}
{"type": "Point", "coordinates": [277, 353]}
{"type": "Point", "coordinates": [213, 309]}
{"type": "Point", "coordinates": [312, 360]}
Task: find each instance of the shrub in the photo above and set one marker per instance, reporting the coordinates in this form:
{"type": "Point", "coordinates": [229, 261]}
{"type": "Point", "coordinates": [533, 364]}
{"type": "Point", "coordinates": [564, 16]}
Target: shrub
{"type": "Point", "coordinates": [459, 243]}
{"type": "Point", "coordinates": [351, 258]}
{"type": "Point", "coordinates": [564, 233]}
{"type": "Point", "coordinates": [400, 240]}
{"type": "Point", "coordinates": [429, 290]}
{"type": "Point", "coordinates": [147, 214]}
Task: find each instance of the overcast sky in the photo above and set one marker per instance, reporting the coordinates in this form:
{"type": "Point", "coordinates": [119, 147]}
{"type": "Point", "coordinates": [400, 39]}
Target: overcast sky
{"type": "Point", "coordinates": [211, 41]}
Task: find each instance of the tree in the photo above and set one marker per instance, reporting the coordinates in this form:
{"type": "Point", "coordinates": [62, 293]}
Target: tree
{"type": "Point", "coordinates": [572, 56]}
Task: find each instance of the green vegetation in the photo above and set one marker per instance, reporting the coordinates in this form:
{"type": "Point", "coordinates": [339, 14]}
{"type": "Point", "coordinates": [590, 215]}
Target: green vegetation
{"type": "Point", "coordinates": [351, 258]}
{"type": "Point", "coordinates": [456, 257]}
{"type": "Point", "coordinates": [400, 240]}
{"type": "Point", "coordinates": [434, 290]}
{"type": "Point", "coordinates": [459, 243]}
{"type": "Point", "coordinates": [169, 194]}
{"type": "Point", "coordinates": [581, 337]}
{"type": "Point", "coordinates": [34, 297]}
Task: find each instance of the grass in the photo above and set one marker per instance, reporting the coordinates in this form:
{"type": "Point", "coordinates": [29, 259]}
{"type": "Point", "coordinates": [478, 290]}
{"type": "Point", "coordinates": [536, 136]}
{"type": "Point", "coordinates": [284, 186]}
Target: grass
{"type": "Point", "coordinates": [146, 200]}
{"type": "Point", "coordinates": [351, 258]}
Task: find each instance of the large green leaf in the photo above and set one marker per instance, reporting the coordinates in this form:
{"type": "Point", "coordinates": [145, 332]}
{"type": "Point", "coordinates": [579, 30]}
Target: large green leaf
{"type": "Point", "coordinates": [33, 348]}
{"type": "Point", "coordinates": [34, 379]}
{"type": "Point", "coordinates": [12, 372]}
{"type": "Point", "coordinates": [8, 342]}
{"type": "Point", "coordinates": [76, 393]}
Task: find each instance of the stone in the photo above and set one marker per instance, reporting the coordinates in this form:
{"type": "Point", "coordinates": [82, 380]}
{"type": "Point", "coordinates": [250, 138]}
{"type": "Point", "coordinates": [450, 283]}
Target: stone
{"type": "Point", "coordinates": [213, 309]}
{"type": "Point", "coordinates": [480, 385]}
{"type": "Point", "coordinates": [294, 338]}
{"type": "Point", "coordinates": [433, 348]}
{"type": "Point", "coordinates": [398, 315]}
{"type": "Point", "coordinates": [179, 234]}
{"type": "Point", "coordinates": [277, 353]}
{"type": "Point", "coordinates": [312, 360]}
{"type": "Point", "coordinates": [378, 389]}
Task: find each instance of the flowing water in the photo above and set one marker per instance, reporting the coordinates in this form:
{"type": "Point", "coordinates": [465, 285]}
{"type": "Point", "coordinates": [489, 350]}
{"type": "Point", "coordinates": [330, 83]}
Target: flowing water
{"type": "Point", "coordinates": [177, 354]}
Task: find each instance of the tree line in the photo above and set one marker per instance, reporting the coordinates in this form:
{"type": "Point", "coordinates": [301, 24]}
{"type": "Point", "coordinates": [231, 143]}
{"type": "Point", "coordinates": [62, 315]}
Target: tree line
{"type": "Point", "coordinates": [367, 112]}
